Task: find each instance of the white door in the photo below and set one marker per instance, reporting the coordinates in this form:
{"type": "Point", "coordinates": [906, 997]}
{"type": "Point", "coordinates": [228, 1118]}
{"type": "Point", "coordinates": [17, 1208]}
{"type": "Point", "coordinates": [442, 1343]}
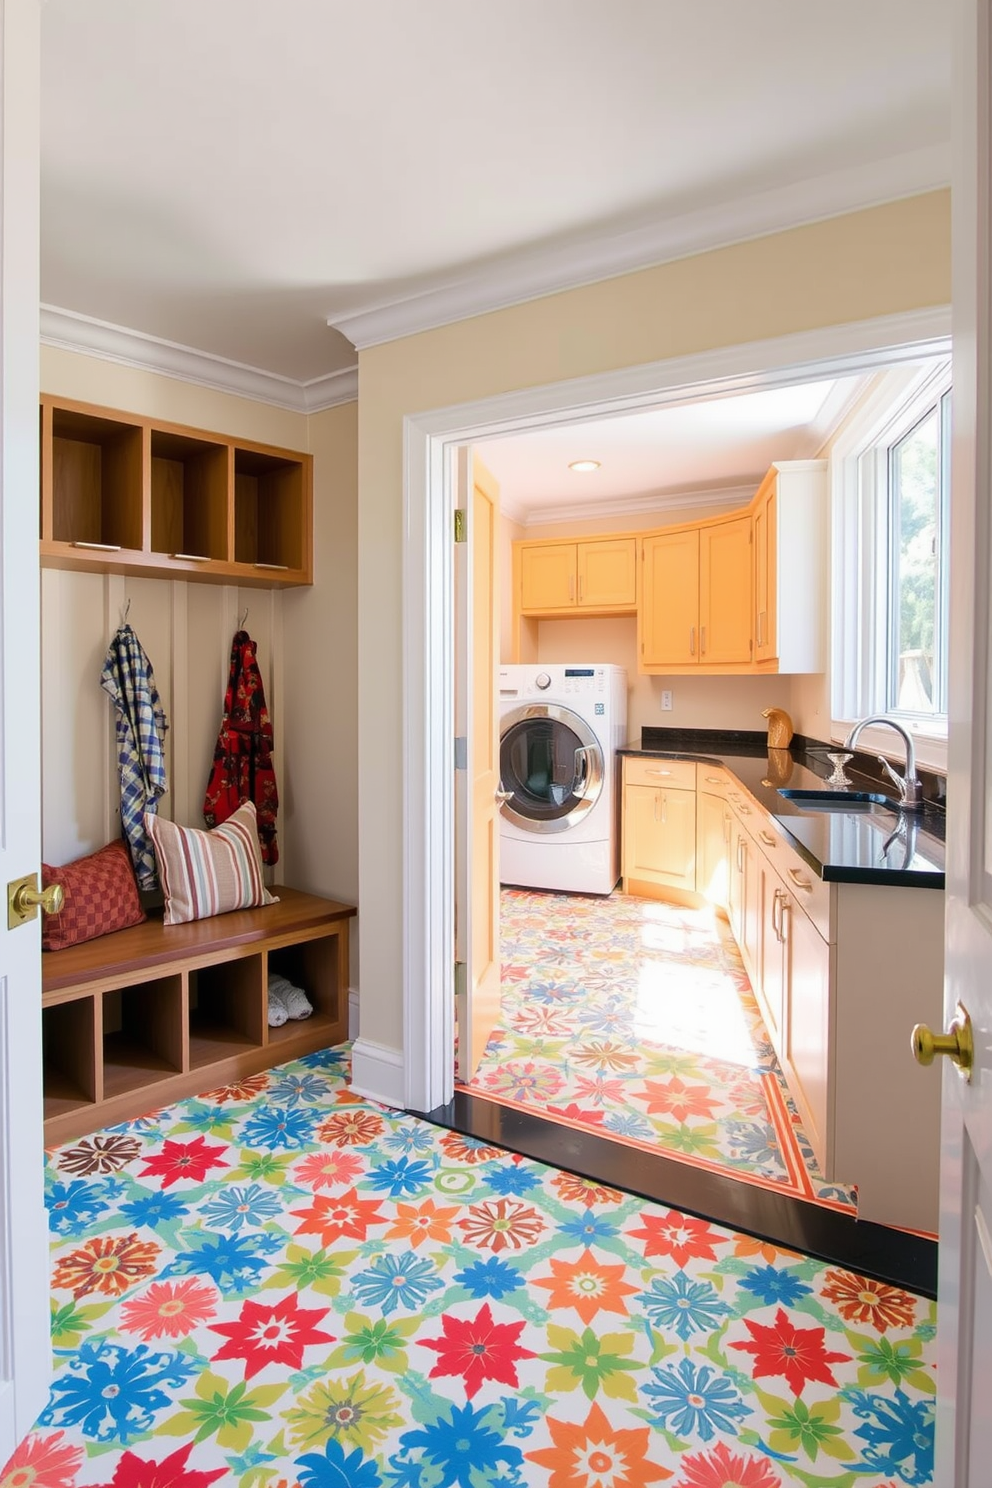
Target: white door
{"type": "Point", "coordinates": [964, 1312]}
{"type": "Point", "coordinates": [24, 1345]}
{"type": "Point", "coordinates": [477, 802]}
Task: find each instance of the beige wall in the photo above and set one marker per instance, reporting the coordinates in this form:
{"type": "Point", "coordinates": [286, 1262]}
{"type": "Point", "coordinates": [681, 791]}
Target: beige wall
{"type": "Point", "coordinates": [306, 647]}
{"type": "Point", "coordinates": [885, 260]}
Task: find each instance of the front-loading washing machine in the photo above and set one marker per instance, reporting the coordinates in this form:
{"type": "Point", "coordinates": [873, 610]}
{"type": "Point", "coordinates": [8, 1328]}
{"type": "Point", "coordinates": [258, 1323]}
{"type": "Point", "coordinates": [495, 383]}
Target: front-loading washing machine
{"type": "Point", "coordinates": [560, 729]}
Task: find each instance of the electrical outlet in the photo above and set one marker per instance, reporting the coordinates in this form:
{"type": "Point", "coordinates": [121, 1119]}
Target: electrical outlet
{"type": "Point", "coordinates": [666, 701]}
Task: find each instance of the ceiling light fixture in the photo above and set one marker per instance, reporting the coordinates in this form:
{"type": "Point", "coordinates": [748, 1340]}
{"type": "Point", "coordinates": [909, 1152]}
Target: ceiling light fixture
{"type": "Point", "coordinates": [583, 465]}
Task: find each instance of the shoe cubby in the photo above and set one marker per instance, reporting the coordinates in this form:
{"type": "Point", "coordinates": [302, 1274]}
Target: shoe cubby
{"type": "Point", "coordinates": [313, 965]}
{"type": "Point", "coordinates": [226, 1010]}
{"type": "Point", "coordinates": [143, 1028]}
{"type": "Point", "coordinates": [94, 478]}
{"type": "Point", "coordinates": [189, 483]}
{"type": "Point", "coordinates": [125, 494]}
{"type": "Point", "coordinates": [72, 1071]}
{"type": "Point", "coordinates": [269, 508]}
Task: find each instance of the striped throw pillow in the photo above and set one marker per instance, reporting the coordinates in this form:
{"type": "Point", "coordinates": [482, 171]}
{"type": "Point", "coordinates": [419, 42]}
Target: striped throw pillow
{"type": "Point", "coordinates": [209, 873]}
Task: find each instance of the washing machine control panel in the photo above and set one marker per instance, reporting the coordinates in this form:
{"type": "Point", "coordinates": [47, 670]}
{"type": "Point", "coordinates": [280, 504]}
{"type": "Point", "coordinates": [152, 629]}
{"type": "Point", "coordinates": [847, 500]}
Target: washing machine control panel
{"type": "Point", "coordinates": [584, 680]}
{"type": "Point", "coordinates": [543, 681]}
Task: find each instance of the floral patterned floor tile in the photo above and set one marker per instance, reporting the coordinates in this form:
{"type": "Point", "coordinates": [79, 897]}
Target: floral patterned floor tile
{"type": "Point", "coordinates": [635, 1019]}
{"type": "Point", "coordinates": [281, 1285]}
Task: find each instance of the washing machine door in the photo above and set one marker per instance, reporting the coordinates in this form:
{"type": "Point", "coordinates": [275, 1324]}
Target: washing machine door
{"type": "Point", "coordinates": [552, 762]}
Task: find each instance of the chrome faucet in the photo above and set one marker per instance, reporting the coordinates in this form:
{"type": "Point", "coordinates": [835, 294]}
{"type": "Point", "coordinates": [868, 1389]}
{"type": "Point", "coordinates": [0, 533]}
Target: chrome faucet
{"type": "Point", "coordinates": [910, 787]}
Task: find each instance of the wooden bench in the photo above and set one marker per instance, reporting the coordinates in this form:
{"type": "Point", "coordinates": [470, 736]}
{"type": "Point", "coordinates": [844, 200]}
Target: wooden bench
{"type": "Point", "coordinates": [138, 1019]}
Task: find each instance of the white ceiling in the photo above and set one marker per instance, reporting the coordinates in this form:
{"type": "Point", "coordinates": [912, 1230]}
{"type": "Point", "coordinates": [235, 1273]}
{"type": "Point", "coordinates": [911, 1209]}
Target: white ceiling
{"type": "Point", "coordinates": [711, 452]}
{"type": "Point", "coordinates": [230, 175]}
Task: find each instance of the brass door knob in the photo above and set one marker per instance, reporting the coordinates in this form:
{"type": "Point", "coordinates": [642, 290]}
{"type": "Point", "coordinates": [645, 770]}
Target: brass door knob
{"type": "Point", "coordinates": [24, 899]}
{"type": "Point", "coordinates": [957, 1043]}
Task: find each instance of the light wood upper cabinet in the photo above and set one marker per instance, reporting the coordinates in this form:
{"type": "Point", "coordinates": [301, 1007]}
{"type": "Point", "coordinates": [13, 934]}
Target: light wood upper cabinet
{"type": "Point", "coordinates": [790, 568]}
{"type": "Point", "coordinates": [126, 494]}
{"type": "Point", "coordinates": [669, 611]}
{"type": "Point", "coordinates": [725, 592]}
{"type": "Point", "coordinates": [555, 577]}
{"type": "Point", "coordinates": [765, 561]}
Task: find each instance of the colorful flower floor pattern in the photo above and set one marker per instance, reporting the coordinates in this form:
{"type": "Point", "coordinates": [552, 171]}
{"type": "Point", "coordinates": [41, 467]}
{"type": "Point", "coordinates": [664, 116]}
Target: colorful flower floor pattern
{"type": "Point", "coordinates": [281, 1284]}
{"type": "Point", "coordinates": [635, 1020]}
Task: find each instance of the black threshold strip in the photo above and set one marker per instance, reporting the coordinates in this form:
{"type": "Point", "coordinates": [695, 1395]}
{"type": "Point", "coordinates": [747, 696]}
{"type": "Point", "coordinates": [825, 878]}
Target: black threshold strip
{"type": "Point", "coordinates": [894, 1256]}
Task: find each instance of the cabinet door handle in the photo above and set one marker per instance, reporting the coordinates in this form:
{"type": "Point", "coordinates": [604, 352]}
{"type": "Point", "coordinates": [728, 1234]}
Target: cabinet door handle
{"type": "Point", "coordinates": [664, 807]}
{"type": "Point", "coordinates": [767, 839]}
{"type": "Point", "coordinates": [744, 810]}
{"type": "Point", "coordinates": [571, 586]}
{"type": "Point", "coordinates": [714, 780]}
{"type": "Point", "coordinates": [97, 547]}
{"type": "Point", "coordinates": [761, 628]}
{"type": "Point", "coordinates": [727, 819]}
{"type": "Point", "coordinates": [692, 640]}
{"type": "Point", "coordinates": [580, 588]}
{"type": "Point", "coordinates": [740, 854]}
{"type": "Point", "coordinates": [657, 772]}
{"type": "Point", "coordinates": [702, 640]}
{"type": "Point", "coordinates": [776, 907]}
{"type": "Point", "coordinates": [800, 882]}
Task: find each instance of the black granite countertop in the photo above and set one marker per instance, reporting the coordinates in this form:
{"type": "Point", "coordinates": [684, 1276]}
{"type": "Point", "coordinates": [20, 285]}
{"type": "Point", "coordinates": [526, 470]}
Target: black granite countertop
{"type": "Point", "coordinates": [853, 842]}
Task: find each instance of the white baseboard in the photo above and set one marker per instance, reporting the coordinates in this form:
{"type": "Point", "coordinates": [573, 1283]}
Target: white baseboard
{"type": "Point", "coordinates": [377, 1073]}
{"type": "Point", "coordinates": [353, 1024]}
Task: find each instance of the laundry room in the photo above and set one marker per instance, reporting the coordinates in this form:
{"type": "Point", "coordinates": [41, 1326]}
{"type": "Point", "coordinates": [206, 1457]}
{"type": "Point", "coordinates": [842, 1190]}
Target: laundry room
{"type": "Point", "coordinates": [665, 673]}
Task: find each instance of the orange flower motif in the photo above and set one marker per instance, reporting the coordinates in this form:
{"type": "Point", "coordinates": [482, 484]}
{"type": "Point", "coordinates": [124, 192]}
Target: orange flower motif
{"type": "Point", "coordinates": [593, 1455]}
{"type": "Point", "coordinates": [747, 1245]}
{"type": "Point", "coordinates": [43, 1462]}
{"type": "Point", "coordinates": [106, 1264]}
{"type": "Point", "coordinates": [169, 1309]}
{"type": "Point", "coordinates": [501, 1224]}
{"type": "Point", "coordinates": [332, 1219]}
{"type": "Point", "coordinates": [673, 1097]}
{"type": "Point", "coordinates": [351, 1128]}
{"type": "Point", "coordinates": [428, 1222]}
{"type": "Point", "coordinates": [861, 1300]}
{"type": "Point", "coordinates": [586, 1285]}
{"type": "Point", "coordinates": [328, 1169]}
{"type": "Point", "coordinates": [605, 1054]}
{"type": "Point", "coordinates": [244, 1089]}
{"type": "Point", "coordinates": [584, 1191]}
{"type": "Point", "coordinates": [467, 1149]}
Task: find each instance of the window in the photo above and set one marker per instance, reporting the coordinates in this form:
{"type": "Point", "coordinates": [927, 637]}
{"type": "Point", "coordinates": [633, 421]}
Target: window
{"type": "Point", "coordinates": [891, 487]}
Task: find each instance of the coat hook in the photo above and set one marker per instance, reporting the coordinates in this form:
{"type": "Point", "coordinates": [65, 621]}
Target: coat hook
{"type": "Point", "coordinates": [125, 610]}
{"type": "Point", "coordinates": [244, 618]}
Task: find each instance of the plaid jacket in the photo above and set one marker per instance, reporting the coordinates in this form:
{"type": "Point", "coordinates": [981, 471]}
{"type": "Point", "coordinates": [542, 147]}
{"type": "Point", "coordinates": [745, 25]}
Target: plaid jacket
{"type": "Point", "coordinates": [141, 726]}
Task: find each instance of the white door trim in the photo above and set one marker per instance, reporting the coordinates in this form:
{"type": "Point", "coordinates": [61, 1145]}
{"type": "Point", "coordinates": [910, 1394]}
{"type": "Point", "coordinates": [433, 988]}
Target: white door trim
{"type": "Point", "coordinates": [428, 680]}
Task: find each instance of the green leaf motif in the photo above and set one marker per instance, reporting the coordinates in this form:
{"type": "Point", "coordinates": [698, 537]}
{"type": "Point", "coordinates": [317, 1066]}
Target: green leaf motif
{"type": "Point", "coordinates": [590, 1363]}
{"type": "Point", "coordinates": [809, 1428]}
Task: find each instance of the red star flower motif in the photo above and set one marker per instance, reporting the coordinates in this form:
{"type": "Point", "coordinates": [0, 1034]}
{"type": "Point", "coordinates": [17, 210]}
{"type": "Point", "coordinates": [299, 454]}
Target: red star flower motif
{"type": "Point", "coordinates": [184, 1160]}
{"type": "Point", "coordinates": [679, 1236]}
{"type": "Point", "coordinates": [479, 1349]}
{"type": "Point", "coordinates": [796, 1353]}
{"type": "Point", "coordinates": [271, 1333]}
{"type": "Point", "coordinates": [673, 1097]}
{"type": "Point", "coordinates": [577, 1113]}
{"type": "Point", "coordinates": [334, 1218]}
{"type": "Point", "coordinates": [171, 1472]}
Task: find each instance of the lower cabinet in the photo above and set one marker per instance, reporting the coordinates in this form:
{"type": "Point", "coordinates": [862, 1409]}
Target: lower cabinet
{"type": "Point", "coordinates": [660, 836]}
{"type": "Point", "coordinates": [807, 1045]}
{"type": "Point", "coordinates": [713, 838]}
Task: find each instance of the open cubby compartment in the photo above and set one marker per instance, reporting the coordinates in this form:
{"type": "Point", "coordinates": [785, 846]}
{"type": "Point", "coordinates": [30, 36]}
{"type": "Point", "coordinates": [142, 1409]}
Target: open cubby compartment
{"type": "Point", "coordinates": [190, 482]}
{"type": "Point", "coordinates": [226, 1010]}
{"type": "Point", "coordinates": [269, 510]}
{"type": "Point", "coordinates": [96, 481]}
{"type": "Point", "coordinates": [313, 966]}
{"type": "Point", "coordinates": [143, 1030]}
{"type": "Point", "coordinates": [71, 1069]}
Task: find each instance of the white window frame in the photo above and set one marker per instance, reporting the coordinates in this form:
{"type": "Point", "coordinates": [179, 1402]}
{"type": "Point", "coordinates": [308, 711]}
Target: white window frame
{"type": "Point", "coordinates": [860, 568]}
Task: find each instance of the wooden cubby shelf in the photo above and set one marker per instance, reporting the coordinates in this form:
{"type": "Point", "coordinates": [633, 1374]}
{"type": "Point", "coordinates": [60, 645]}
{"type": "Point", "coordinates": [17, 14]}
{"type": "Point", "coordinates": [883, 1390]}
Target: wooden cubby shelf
{"type": "Point", "coordinates": [138, 1019]}
{"type": "Point", "coordinates": [125, 494]}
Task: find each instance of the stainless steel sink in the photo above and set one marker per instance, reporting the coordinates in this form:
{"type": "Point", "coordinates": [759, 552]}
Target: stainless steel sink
{"type": "Point", "coordinates": [838, 800]}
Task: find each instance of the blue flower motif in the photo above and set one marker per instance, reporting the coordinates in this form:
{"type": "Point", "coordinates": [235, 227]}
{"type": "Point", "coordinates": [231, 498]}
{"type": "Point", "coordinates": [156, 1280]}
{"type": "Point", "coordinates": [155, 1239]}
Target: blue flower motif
{"type": "Point", "coordinates": [113, 1393]}
{"type": "Point", "coordinates": [898, 1433]}
{"type": "Point", "coordinates": [627, 1125]}
{"type": "Point", "coordinates": [337, 1469]}
{"type": "Point", "coordinates": [463, 1450]}
{"type": "Point", "coordinates": [684, 1306]}
{"type": "Point", "coordinates": [492, 1278]}
{"type": "Point", "coordinates": [396, 1279]}
{"type": "Point", "coordinates": [590, 1228]}
{"type": "Point", "coordinates": [773, 1285]}
{"type": "Point", "coordinates": [300, 1089]}
{"type": "Point", "coordinates": [400, 1177]}
{"type": "Point", "coordinates": [552, 992]}
{"type": "Point", "coordinates": [511, 1178]}
{"type": "Point", "coordinates": [199, 1117]}
{"type": "Point", "coordinates": [73, 1207]}
{"type": "Point", "coordinates": [234, 1262]}
{"type": "Point", "coordinates": [694, 1401]}
{"type": "Point", "coordinates": [755, 1141]}
{"type": "Point", "coordinates": [610, 1019]}
{"type": "Point", "coordinates": [154, 1207]}
{"type": "Point", "coordinates": [520, 1416]}
{"type": "Point", "coordinates": [277, 1127]}
{"type": "Point", "coordinates": [235, 1208]}
{"type": "Point", "coordinates": [410, 1139]}
{"type": "Point", "coordinates": [254, 1457]}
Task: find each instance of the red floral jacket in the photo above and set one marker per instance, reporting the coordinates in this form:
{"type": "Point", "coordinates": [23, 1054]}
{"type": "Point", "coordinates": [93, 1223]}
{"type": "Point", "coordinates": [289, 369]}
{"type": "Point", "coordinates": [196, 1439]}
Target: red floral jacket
{"type": "Point", "coordinates": [242, 768]}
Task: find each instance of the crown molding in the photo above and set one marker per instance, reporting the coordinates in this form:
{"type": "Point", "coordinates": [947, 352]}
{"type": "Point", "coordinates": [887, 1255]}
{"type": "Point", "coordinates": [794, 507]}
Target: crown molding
{"type": "Point", "coordinates": [70, 331]}
{"type": "Point", "coordinates": [531, 273]}
{"type": "Point", "coordinates": [641, 505]}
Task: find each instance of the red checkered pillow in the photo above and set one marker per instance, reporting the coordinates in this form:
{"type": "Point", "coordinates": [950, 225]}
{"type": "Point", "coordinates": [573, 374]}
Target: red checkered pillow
{"type": "Point", "coordinates": [101, 895]}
